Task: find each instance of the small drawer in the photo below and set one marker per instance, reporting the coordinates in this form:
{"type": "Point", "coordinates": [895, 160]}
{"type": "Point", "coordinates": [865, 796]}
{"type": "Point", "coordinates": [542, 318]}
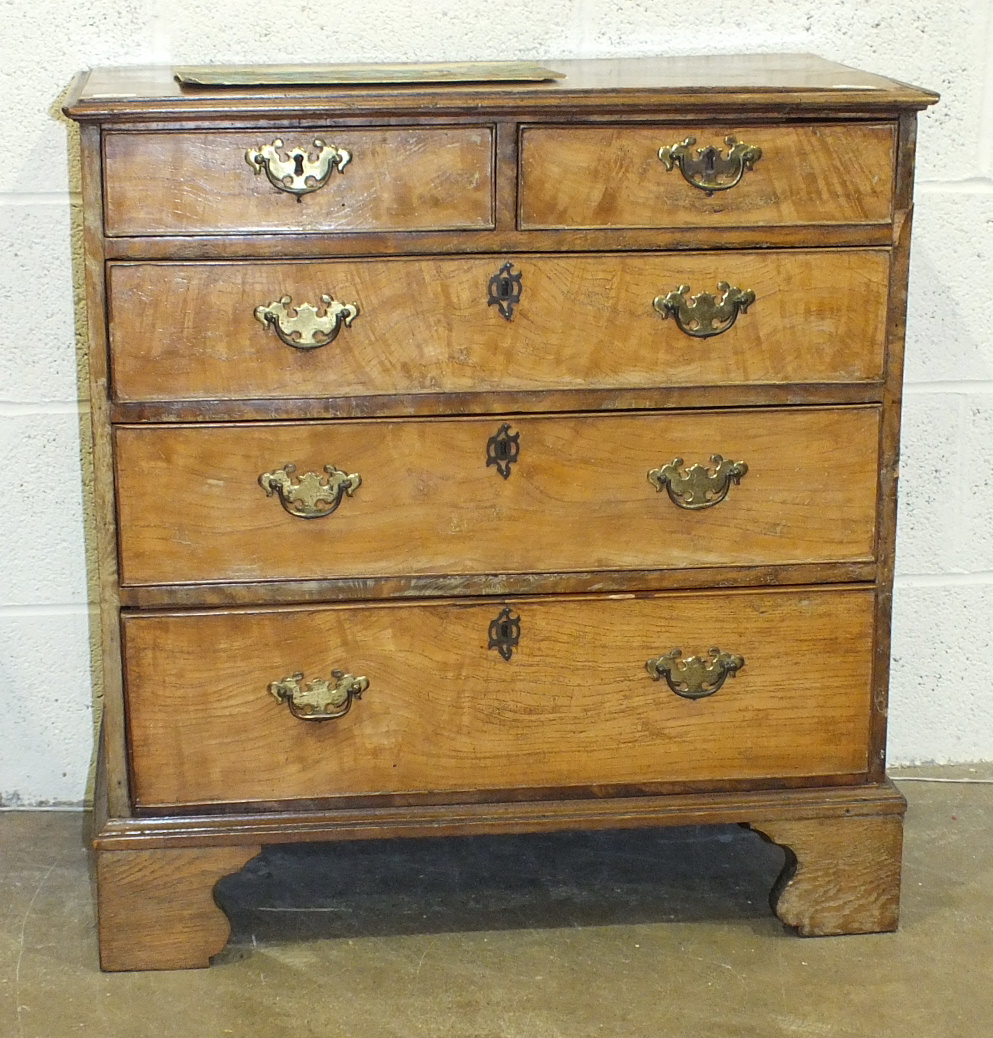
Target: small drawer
{"type": "Point", "coordinates": [613, 176]}
{"type": "Point", "coordinates": [378, 498]}
{"type": "Point", "coordinates": [516, 323]}
{"type": "Point", "coordinates": [490, 696]}
{"type": "Point", "coordinates": [416, 179]}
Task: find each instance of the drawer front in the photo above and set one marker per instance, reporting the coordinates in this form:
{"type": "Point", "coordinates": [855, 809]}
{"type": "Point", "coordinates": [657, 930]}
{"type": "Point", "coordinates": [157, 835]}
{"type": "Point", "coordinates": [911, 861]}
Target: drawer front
{"type": "Point", "coordinates": [433, 498]}
{"type": "Point", "coordinates": [440, 710]}
{"type": "Point", "coordinates": [201, 183]}
{"type": "Point", "coordinates": [612, 176]}
{"type": "Point", "coordinates": [189, 331]}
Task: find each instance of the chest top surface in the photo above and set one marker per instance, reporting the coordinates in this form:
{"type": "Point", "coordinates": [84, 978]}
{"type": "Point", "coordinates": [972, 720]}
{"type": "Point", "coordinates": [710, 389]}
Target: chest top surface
{"type": "Point", "coordinates": [791, 83]}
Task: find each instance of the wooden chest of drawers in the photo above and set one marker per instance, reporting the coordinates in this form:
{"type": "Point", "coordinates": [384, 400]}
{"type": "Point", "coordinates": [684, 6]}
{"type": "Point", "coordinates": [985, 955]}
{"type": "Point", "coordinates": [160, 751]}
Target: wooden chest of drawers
{"type": "Point", "coordinates": [494, 457]}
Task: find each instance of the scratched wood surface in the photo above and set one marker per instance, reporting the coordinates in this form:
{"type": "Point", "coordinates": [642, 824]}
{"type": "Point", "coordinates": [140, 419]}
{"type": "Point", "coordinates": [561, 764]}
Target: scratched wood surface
{"type": "Point", "coordinates": [184, 331]}
{"type": "Point", "coordinates": [578, 498]}
{"type": "Point", "coordinates": [574, 704]}
{"type": "Point", "coordinates": [610, 176]}
{"type": "Point", "coordinates": [417, 178]}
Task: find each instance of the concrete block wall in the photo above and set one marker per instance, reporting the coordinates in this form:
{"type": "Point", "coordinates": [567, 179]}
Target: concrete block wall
{"type": "Point", "coordinates": [942, 690]}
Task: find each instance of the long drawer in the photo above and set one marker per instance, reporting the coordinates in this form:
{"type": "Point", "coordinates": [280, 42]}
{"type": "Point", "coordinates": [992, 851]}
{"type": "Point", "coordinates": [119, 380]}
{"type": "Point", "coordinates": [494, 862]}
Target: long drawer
{"type": "Point", "coordinates": [274, 705]}
{"type": "Point", "coordinates": [403, 179]}
{"type": "Point", "coordinates": [222, 331]}
{"type": "Point", "coordinates": [269, 501]}
{"type": "Point", "coordinates": [806, 174]}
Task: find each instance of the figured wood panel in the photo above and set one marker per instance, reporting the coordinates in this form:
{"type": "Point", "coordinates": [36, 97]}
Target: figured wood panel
{"type": "Point", "coordinates": [397, 179]}
{"type": "Point", "coordinates": [578, 498]}
{"type": "Point", "coordinates": [611, 176]}
{"type": "Point", "coordinates": [187, 331]}
{"type": "Point", "coordinates": [442, 711]}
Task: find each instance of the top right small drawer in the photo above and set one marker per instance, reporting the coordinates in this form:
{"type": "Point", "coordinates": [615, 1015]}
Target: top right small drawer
{"type": "Point", "coordinates": [639, 176]}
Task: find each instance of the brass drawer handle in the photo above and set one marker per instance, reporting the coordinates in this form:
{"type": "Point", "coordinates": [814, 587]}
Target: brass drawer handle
{"type": "Point", "coordinates": [709, 170]}
{"type": "Point", "coordinates": [695, 677]}
{"type": "Point", "coordinates": [301, 171]}
{"type": "Point", "coordinates": [304, 326]}
{"type": "Point", "coordinates": [697, 487]}
{"type": "Point", "coordinates": [310, 497]}
{"type": "Point", "coordinates": [705, 315]}
{"type": "Point", "coordinates": [319, 699]}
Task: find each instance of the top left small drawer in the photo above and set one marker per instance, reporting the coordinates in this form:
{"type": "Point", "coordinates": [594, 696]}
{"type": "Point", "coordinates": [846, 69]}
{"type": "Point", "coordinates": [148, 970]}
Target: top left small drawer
{"type": "Point", "coordinates": [252, 181]}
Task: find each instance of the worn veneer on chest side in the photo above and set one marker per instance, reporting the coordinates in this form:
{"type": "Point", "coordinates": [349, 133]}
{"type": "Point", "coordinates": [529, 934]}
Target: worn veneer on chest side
{"type": "Point", "coordinates": [889, 436]}
{"type": "Point", "coordinates": [103, 534]}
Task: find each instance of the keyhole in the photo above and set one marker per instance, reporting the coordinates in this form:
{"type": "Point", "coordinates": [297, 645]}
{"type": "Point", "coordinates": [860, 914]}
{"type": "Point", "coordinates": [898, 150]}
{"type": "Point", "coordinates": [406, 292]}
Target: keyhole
{"type": "Point", "coordinates": [298, 164]}
{"type": "Point", "coordinates": [505, 632]}
{"type": "Point", "coordinates": [505, 289]}
{"type": "Point", "coordinates": [709, 161]}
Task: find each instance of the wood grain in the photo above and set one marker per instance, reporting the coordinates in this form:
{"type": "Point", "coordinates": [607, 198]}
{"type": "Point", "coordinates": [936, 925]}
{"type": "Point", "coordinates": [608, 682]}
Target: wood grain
{"type": "Point", "coordinates": [842, 875]}
{"type": "Point", "coordinates": [191, 508]}
{"type": "Point", "coordinates": [157, 909]}
{"type": "Point", "coordinates": [417, 178]}
{"type": "Point", "coordinates": [188, 331]}
{"type": "Point", "coordinates": [823, 173]}
{"type": "Point", "coordinates": [443, 585]}
{"type": "Point", "coordinates": [574, 704]}
{"type": "Point", "coordinates": [359, 244]}
{"type": "Point", "coordinates": [650, 398]}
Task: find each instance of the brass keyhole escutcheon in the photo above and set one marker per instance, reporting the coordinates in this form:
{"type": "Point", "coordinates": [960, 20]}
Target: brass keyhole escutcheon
{"type": "Point", "coordinates": [503, 450]}
{"type": "Point", "coordinates": [505, 290]}
{"type": "Point", "coordinates": [505, 633]}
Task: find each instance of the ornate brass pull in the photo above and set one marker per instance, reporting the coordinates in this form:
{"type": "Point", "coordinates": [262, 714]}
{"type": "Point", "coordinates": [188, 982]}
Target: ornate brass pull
{"type": "Point", "coordinates": [695, 677]}
{"type": "Point", "coordinates": [319, 699]}
{"type": "Point", "coordinates": [304, 326]}
{"type": "Point", "coordinates": [301, 171]}
{"type": "Point", "coordinates": [705, 315]}
{"type": "Point", "coordinates": [310, 497]}
{"type": "Point", "coordinates": [697, 487]}
{"type": "Point", "coordinates": [709, 170]}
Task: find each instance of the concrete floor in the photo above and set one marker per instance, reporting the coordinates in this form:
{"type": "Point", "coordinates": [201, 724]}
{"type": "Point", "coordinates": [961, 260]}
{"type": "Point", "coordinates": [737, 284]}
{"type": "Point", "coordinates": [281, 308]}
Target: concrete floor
{"type": "Point", "coordinates": [647, 933]}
